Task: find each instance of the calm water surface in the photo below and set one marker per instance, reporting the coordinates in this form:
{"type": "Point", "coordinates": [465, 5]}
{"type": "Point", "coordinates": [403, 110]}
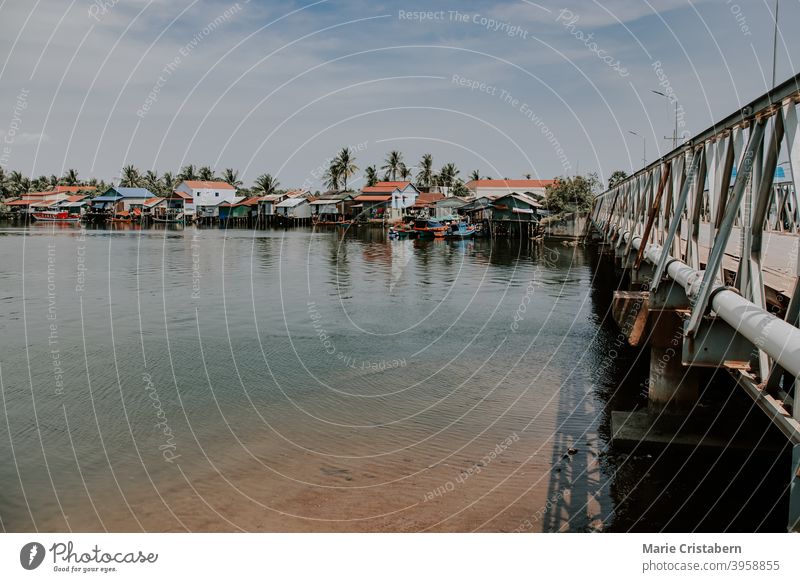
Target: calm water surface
{"type": "Point", "coordinates": [176, 378]}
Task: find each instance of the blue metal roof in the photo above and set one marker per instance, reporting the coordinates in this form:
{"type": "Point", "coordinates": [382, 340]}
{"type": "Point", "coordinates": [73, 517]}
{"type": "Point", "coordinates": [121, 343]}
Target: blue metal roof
{"type": "Point", "coordinates": [133, 192]}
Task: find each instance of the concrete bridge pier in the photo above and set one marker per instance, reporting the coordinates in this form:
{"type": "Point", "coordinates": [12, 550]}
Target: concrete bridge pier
{"type": "Point", "coordinates": [671, 385]}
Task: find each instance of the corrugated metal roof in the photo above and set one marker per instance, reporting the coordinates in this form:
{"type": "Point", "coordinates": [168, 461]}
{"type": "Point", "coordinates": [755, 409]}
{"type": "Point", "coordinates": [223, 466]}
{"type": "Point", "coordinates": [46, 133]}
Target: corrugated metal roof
{"type": "Point", "coordinates": [291, 202]}
{"type": "Point", "coordinates": [522, 198]}
{"type": "Point", "coordinates": [132, 192]}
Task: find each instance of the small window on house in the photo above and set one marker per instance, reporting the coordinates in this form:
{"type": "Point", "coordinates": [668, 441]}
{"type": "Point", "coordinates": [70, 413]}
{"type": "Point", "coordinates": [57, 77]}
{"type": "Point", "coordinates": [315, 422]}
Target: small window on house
{"type": "Point", "coordinates": [216, 194]}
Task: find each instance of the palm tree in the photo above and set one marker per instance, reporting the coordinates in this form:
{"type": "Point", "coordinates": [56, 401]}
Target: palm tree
{"type": "Point", "coordinates": [151, 182]}
{"type": "Point", "coordinates": [70, 178]}
{"type": "Point", "coordinates": [347, 165]}
{"type": "Point", "coordinates": [53, 181]}
{"type": "Point", "coordinates": [40, 184]}
{"type": "Point", "coordinates": [405, 171]}
{"type": "Point", "coordinates": [460, 189]}
{"type": "Point", "coordinates": [16, 183]}
{"type": "Point", "coordinates": [332, 176]}
{"type": "Point", "coordinates": [371, 174]}
{"type": "Point", "coordinates": [168, 183]}
{"type": "Point", "coordinates": [393, 161]}
{"type": "Point", "coordinates": [231, 176]}
{"type": "Point", "coordinates": [448, 174]}
{"type": "Point", "coordinates": [206, 173]}
{"type": "Point", "coordinates": [475, 175]}
{"type": "Point", "coordinates": [265, 184]}
{"type": "Point", "coordinates": [425, 174]}
{"type": "Point", "coordinates": [188, 173]}
{"type": "Point", "coordinates": [131, 178]}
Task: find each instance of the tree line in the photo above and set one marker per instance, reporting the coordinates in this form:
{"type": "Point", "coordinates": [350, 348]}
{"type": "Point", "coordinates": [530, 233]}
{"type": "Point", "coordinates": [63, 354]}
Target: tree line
{"type": "Point", "coordinates": [567, 194]}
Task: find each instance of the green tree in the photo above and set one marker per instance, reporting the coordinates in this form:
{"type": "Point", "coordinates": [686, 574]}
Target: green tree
{"type": "Point", "coordinates": [460, 189]}
{"type": "Point", "coordinates": [371, 175]}
{"type": "Point", "coordinates": [188, 173]}
{"type": "Point", "coordinates": [346, 166]}
{"type": "Point", "coordinates": [17, 184]}
{"type": "Point", "coordinates": [617, 176]}
{"type": "Point", "coordinates": [392, 165]}
{"type": "Point", "coordinates": [265, 184]}
{"type": "Point", "coordinates": [70, 178]}
{"type": "Point", "coordinates": [572, 194]}
{"type": "Point", "coordinates": [131, 178]}
{"type": "Point", "coordinates": [425, 174]}
{"type": "Point", "coordinates": [152, 182]}
{"type": "Point", "coordinates": [448, 174]}
{"type": "Point", "coordinates": [332, 177]}
{"type": "Point", "coordinates": [231, 176]}
{"type": "Point", "coordinates": [475, 175]}
{"type": "Point", "coordinates": [206, 173]}
{"type": "Point", "coordinates": [168, 183]}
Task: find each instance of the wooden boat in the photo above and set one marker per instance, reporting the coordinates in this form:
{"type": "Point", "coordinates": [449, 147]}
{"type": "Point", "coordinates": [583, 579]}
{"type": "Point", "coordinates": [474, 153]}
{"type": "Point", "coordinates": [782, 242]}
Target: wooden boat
{"type": "Point", "coordinates": [55, 216]}
{"type": "Point", "coordinates": [459, 230]}
{"type": "Point", "coordinates": [123, 217]}
{"type": "Point", "coordinates": [402, 232]}
{"type": "Point", "coordinates": [427, 228]}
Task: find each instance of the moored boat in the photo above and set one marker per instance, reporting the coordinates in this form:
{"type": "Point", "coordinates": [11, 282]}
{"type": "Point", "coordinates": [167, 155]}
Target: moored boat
{"type": "Point", "coordinates": [427, 228]}
{"type": "Point", "coordinates": [402, 231]}
{"type": "Point", "coordinates": [55, 216]}
{"type": "Point", "coordinates": [459, 230]}
{"type": "Point", "coordinates": [122, 216]}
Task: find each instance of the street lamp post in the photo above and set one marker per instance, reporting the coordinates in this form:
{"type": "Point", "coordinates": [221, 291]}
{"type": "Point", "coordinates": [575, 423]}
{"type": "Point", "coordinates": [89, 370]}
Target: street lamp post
{"type": "Point", "coordinates": [775, 46]}
{"type": "Point", "coordinates": [644, 146]}
{"type": "Point", "coordinates": [675, 131]}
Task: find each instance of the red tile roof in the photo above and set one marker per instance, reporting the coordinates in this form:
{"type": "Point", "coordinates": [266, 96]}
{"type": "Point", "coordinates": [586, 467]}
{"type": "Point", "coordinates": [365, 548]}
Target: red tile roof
{"type": "Point", "coordinates": [385, 187]}
{"type": "Point", "coordinates": [427, 198]}
{"type": "Point", "coordinates": [208, 185]}
{"type": "Point", "coordinates": [368, 198]}
{"type": "Point", "coordinates": [20, 202]}
{"type": "Point", "coordinates": [76, 198]}
{"type": "Point", "coordinates": [180, 194]}
{"type": "Point", "coordinates": [517, 184]}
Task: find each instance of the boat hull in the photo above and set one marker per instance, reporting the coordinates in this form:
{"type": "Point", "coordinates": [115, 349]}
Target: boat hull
{"type": "Point", "coordinates": [54, 217]}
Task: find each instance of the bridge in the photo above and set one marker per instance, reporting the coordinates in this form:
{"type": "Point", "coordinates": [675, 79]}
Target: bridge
{"type": "Point", "coordinates": [704, 242]}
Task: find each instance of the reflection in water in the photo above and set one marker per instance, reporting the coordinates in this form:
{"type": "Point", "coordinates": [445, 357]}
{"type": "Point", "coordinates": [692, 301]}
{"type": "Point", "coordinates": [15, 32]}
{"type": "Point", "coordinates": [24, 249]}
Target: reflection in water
{"type": "Point", "coordinates": [212, 379]}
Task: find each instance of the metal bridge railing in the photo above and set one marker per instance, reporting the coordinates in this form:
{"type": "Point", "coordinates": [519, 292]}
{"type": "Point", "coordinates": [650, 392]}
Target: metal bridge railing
{"type": "Point", "coordinates": [713, 207]}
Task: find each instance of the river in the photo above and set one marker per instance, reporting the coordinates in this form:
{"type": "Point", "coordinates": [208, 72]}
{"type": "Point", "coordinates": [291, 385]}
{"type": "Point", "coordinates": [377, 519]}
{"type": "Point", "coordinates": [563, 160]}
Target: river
{"type": "Point", "coordinates": [172, 379]}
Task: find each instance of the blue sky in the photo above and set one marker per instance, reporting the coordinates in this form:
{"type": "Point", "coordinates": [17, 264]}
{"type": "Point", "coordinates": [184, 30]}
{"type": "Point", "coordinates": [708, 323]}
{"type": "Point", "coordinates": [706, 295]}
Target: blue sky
{"type": "Point", "coordinates": [510, 88]}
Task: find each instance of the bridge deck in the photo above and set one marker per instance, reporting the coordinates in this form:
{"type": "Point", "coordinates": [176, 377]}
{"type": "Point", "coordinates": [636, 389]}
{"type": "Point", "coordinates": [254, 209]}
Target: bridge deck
{"type": "Point", "coordinates": [779, 257]}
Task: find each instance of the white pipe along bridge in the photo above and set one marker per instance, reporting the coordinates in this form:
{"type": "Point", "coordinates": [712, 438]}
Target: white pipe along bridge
{"type": "Point", "coordinates": [706, 242]}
